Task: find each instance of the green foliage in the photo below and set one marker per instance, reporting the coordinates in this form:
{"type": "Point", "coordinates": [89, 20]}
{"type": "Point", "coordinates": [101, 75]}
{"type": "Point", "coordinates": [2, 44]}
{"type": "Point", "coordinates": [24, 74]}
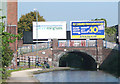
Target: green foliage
{"type": "Point", "coordinates": [25, 22]}
{"type": "Point", "coordinates": [103, 20]}
{"type": "Point", "coordinates": [1, 17]}
{"type": "Point", "coordinates": [5, 73]}
{"type": "Point", "coordinates": [7, 53]}
{"type": "Point", "coordinates": [110, 31]}
{"type": "Point", "coordinates": [111, 34]}
{"type": "Point", "coordinates": [19, 69]}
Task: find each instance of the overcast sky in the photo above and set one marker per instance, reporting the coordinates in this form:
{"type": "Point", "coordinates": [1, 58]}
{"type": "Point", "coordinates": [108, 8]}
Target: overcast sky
{"type": "Point", "coordinates": [72, 11]}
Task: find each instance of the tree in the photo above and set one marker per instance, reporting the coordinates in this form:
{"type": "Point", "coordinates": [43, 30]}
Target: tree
{"type": "Point", "coordinates": [110, 32]}
{"type": "Point", "coordinates": [25, 22]}
{"type": "Point", "coordinates": [7, 53]}
{"type": "Point", "coordinates": [104, 20]}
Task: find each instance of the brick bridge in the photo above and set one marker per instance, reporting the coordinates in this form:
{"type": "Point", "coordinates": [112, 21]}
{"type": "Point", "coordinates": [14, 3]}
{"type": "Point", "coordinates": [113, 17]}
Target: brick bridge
{"type": "Point", "coordinates": [56, 49]}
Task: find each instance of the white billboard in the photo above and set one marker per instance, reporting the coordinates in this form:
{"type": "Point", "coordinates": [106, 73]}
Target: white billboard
{"type": "Point", "coordinates": [49, 30]}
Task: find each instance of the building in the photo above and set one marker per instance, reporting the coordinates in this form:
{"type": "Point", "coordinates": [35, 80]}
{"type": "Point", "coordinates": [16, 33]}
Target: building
{"type": "Point", "coordinates": [9, 9]}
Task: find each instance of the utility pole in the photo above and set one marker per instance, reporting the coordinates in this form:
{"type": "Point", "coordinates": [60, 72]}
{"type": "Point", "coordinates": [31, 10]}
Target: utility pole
{"type": "Point", "coordinates": [36, 35]}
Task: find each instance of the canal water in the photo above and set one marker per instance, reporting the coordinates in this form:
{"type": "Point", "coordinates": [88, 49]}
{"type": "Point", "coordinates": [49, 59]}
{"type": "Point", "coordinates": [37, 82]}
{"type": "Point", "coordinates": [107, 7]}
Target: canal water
{"type": "Point", "coordinates": [76, 76]}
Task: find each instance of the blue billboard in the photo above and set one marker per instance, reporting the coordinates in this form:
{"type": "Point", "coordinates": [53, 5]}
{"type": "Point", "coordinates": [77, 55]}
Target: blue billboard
{"type": "Point", "coordinates": [87, 29]}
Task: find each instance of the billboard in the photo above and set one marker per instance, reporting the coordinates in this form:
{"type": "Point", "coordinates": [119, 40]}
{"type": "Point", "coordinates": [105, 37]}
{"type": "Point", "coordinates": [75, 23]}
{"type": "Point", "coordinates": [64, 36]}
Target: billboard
{"type": "Point", "coordinates": [49, 30]}
{"type": "Point", "coordinates": [87, 29]}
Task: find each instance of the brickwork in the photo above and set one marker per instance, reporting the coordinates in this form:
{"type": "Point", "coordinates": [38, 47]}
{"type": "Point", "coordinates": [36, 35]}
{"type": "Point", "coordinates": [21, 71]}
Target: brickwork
{"type": "Point", "coordinates": [106, 52]}
{"type": "Point", "coordinates": [12, 21]}
{"type": "Point", "coordinates": [12, 24]}
{"type": "Point", "coordinates": [55, 43]}
{"type": "Point", "coordinates": [61, 51]}
{"type": "Point", "coordinates": [20, 43]}
{"type": "Point", "coordinates": [12, 13]}
{"type": "Point", "coordinates": [98, 53]}
{"type": "Point", "coordinates": [95, 53]}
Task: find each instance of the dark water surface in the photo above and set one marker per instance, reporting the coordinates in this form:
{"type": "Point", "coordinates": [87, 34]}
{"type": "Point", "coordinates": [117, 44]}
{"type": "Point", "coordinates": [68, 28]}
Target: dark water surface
{"type": "Point", "coordinates": [76, 76]}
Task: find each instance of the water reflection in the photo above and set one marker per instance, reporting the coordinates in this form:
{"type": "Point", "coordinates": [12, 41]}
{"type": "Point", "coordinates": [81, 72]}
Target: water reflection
{"type": "Point", "coordinates": [76, 76]}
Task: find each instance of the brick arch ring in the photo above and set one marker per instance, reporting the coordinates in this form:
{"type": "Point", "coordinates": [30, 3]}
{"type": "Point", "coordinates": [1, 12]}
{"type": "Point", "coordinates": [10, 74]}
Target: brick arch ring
{"type": "Point", "coordinates": [57, 56]}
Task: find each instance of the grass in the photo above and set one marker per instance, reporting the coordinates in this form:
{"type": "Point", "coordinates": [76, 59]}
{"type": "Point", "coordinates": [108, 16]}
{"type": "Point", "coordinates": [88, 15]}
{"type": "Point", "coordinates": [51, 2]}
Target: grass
{"type": "Point", "coordinates": [8, 72]}
{"type": "Point", "coordinates": [17, 69]}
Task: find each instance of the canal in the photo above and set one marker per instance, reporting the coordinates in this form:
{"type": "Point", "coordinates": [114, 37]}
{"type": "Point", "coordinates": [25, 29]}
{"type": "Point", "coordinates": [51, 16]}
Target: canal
{"type": "Point", "coordinates": [76, 76]}
{"type": "Point", "coordinates": [82, 61]}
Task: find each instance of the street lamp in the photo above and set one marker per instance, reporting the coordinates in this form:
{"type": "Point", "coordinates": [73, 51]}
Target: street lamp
{"type": "Point", "coordinates": [36, 34]}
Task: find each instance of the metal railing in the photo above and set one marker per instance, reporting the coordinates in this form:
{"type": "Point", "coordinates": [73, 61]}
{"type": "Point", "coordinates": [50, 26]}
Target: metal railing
{"type": "Point", "coordinates": [77, 43]}
{"type": "Point", "coordinates": [67, 43]}
{"type": "Point", "coordinates": [111, 45]}
{"type": "Point", "coordinates": [33, 48]}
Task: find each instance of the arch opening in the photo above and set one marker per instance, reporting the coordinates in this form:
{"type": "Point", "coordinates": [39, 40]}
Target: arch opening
{"type": "Point", "coordinates": [77, 59]}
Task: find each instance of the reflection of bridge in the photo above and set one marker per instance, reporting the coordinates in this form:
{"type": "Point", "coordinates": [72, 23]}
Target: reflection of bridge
{"type": "Point", "coordinates": [57, 48]}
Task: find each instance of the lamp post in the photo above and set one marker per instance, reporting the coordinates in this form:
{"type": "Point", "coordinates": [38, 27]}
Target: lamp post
{"type": "Point", "coordinates": [36, 35]}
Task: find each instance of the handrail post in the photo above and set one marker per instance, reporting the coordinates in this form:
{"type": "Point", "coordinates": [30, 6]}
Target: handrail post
{"type": "Point", "coordinates": [48, 44]}
{"type": "Point", "coordinates": [103, 43]}
{"type": "Point", "coordinates": [86, 43]}
{"type": "Point", "coordinates": [106, 43]}
{"type": "Point", "coordinates": [67, 43]}
{"type": "Point", "coordinates": [58, 43]}
{"type": "Point", "coordinates": [96, 43]}
{"type": "Point", "coordinates": [32, 49]}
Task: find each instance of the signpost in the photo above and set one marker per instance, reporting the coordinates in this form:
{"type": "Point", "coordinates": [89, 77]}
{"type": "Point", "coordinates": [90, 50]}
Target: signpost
{"type": "Point", "coordinates": [87, 29]}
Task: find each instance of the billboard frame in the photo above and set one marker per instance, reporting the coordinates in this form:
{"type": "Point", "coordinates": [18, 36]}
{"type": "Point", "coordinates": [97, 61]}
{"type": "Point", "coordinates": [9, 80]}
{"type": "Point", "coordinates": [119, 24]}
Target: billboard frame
{"type": "Point", "coordinates": [53, 24]}
{"type": "Point", "coordinates": [85, 21]}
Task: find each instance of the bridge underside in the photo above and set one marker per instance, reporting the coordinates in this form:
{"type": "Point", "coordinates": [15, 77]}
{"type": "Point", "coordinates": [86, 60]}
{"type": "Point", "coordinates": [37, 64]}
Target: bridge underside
{"type": "Point", "coordinates": [78, 59]}
{"type": "Point", "coordinates": [90, 53]}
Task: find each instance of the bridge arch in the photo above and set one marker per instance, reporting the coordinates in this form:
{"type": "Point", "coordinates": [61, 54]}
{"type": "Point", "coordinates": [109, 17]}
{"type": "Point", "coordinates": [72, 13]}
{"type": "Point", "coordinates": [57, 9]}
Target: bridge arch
{"type": "Point", "coordinates": [75, 50]}
{"type": "Point", "coordinates": [89, 56]}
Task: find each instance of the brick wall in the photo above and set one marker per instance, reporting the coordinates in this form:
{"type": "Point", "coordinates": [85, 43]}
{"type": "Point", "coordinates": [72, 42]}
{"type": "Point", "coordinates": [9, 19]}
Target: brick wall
{"type": "Point", "coordinates": [20, 43]}
{"type": "Point", "coordinates": [98, 53]}
{"type": "Point", "coordinates": [12, 21]}
{"type": "Point", "coordinates": [106, 52]}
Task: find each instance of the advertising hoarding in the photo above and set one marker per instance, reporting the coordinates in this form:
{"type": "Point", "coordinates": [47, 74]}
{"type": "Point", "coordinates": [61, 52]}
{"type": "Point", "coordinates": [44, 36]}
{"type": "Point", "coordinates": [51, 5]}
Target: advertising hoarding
{"type": "Point", "coordinates": [87, 29]}
{"type": "Point", "coordinates": [49, 30]}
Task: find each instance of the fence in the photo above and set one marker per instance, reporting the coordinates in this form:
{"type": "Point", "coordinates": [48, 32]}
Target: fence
{"type": "Point", "coordinates": [77, 43]}
{"type": "Point", "coordinates": [67, 43]}
{"type": "Point", "coordinates": [29, 61]}
{"type": "Point", "coordinates": [111, 45]}
{"type": "Point", "coordinates": [32, 48]}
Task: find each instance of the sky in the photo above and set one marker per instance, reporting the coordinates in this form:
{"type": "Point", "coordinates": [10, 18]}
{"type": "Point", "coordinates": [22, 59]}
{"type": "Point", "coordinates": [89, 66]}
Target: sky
{"type": "Point", "coordinates": [63, 0]}
{"type": "Point", "coordinates": [72, 11]}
